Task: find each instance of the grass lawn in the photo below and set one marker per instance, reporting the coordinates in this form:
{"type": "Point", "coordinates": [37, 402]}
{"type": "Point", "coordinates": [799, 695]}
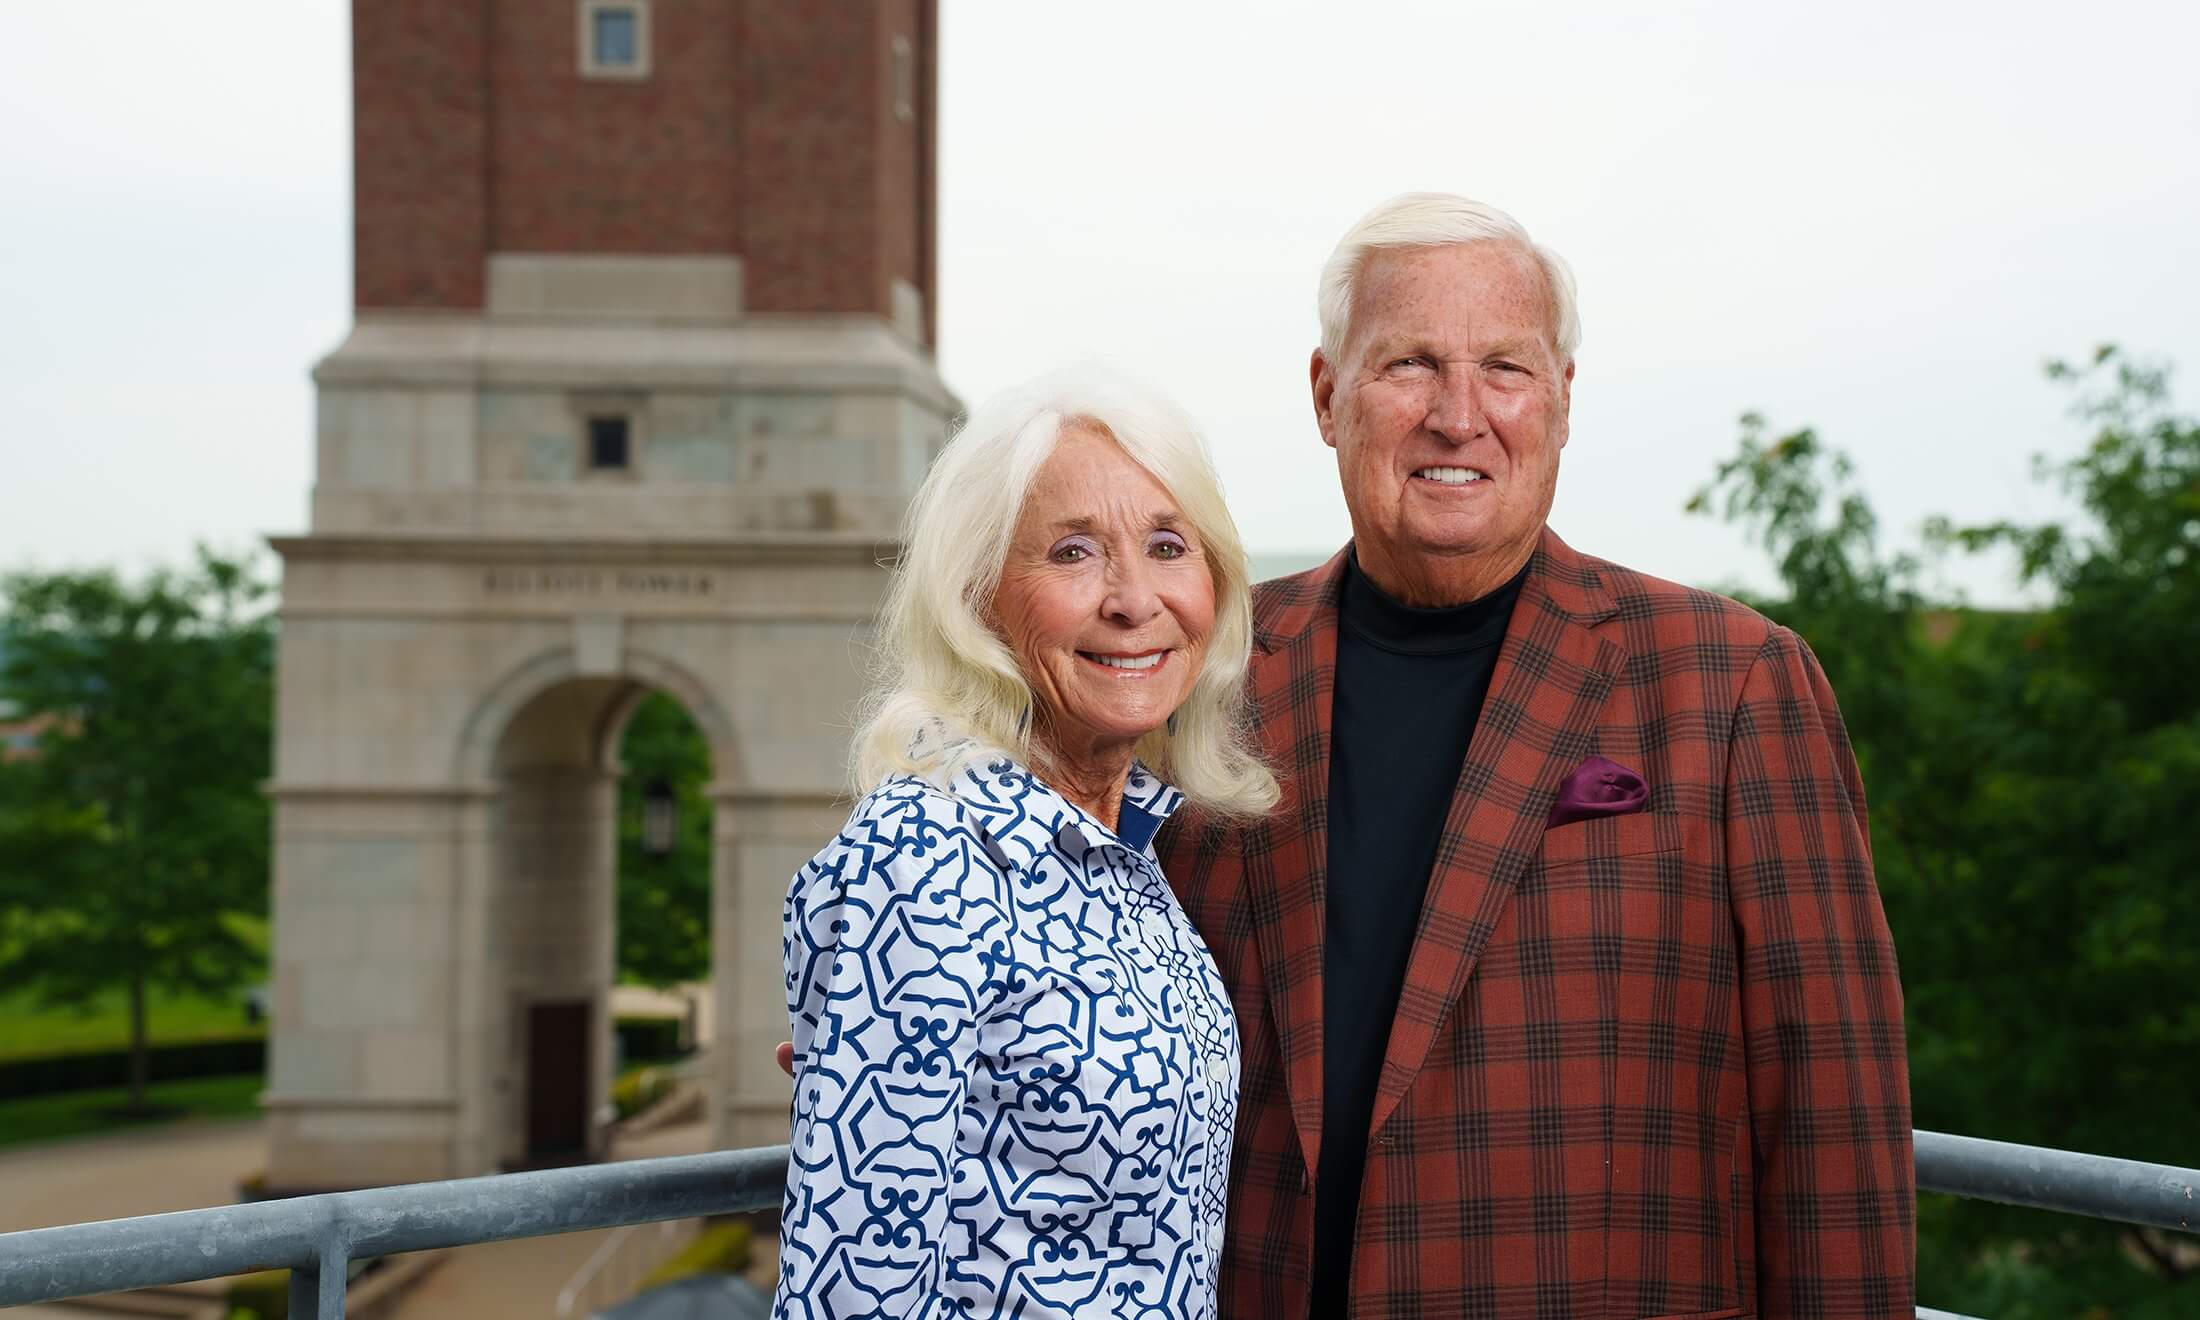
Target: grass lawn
{"type": "Point", "coordinates": [28, 1030]}
{"type": "Point", "coordinates": [78, 1113]}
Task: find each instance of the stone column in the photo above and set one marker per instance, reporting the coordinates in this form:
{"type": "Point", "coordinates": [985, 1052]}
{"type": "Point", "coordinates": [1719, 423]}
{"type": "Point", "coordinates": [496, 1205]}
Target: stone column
{"type": "Point", "coordinates": [360, 1081]}
{"type": "Point", "coordinates": [762, 840]}
{"type": "Point", "coordinates": [478, 1027]}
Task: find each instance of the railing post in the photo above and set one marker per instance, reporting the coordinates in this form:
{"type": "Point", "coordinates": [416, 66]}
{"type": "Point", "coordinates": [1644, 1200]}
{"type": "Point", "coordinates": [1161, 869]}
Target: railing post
{"type": "Point", "coordinates": [305, 1290]}
{"type": "Point", "coordinates": [318, 1289]}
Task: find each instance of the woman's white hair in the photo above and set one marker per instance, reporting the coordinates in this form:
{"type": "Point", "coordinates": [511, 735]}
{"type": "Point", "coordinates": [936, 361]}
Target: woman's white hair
{"type": "Point", "coordinates": [1422, 219]}
{"type": "Point", "coordinates": [946, 692]}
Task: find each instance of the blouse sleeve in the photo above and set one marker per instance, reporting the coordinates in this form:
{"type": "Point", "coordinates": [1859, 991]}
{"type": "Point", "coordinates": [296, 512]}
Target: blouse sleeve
{"type": "Point", "coordinates": [886, 988]}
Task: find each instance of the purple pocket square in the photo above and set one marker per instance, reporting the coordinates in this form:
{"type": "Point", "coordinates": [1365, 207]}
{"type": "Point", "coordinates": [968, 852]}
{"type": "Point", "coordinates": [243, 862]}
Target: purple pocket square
{"type": "Point", "coordinates": [1599, 787]}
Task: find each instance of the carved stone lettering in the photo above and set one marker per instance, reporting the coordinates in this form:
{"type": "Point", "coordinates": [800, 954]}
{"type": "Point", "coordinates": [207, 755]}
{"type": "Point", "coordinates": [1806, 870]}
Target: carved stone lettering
{"type": "Point", "coordinates": [595, 583]}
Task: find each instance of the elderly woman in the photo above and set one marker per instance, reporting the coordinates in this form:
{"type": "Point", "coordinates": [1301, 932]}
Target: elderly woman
{"type": "Point", "coordinates": [1015, 1064]}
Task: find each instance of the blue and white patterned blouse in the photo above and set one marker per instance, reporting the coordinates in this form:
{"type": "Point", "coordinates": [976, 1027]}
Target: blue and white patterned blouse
{"type": "Point", "coordinates": [1015, 1065]}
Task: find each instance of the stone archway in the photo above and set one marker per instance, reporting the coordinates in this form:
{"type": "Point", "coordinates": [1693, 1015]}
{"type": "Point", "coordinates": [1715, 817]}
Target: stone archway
{"type": "Point", "coordinates": [445, 736]}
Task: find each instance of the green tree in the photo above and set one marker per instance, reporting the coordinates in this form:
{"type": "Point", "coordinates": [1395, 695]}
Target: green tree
{"type": "Point", "coordinates": [2033, 777]}
{"type": "Point", "coordinates": [136, 834]}
{"type": "Point", "coordinates": [664, 900]}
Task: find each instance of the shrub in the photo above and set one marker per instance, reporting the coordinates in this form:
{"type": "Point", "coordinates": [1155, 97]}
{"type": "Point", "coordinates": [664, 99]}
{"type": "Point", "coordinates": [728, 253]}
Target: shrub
{"type": "Point", "coordinates": [721, 1248]}
{"type": "Point", "coordinates": [648, 1039]}
{"type": "Point", "coordinates": [265, 1294]}
{"type": "Point", "coordinates": [638, 1090]}
{"type": "Point", "coordinates": [99, 1069]}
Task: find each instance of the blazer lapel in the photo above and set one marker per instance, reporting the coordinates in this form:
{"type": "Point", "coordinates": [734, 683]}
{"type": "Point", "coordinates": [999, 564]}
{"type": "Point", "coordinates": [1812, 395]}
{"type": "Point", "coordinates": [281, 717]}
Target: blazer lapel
{"type": "Point", "coordinates": [1289, 853]}
{"type": "Point", "coordinates": [1552, 678]}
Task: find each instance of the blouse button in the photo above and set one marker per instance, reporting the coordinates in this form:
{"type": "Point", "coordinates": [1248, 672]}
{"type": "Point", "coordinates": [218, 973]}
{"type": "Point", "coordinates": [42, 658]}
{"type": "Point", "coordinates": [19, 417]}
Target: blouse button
{"type": "Point", "coordinates": [1218, 1070]}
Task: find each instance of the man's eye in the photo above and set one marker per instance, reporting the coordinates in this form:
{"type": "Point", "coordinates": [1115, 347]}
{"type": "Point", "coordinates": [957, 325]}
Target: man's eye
{"type": "Point", "coordinates": [1415, 361]}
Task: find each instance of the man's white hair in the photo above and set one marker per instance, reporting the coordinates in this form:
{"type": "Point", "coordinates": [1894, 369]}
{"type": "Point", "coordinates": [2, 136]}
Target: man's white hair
{"type": "Point", "coordinates": [1424, 219]}
{"type": "Point", "coordinates": [946, 693]}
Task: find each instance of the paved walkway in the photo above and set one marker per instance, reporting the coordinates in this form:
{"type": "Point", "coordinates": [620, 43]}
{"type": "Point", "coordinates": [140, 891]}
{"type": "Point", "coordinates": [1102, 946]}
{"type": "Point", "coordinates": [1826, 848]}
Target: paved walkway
{"type": "Point", "coordinates": [189, 1165]}
{"type": "Point", "coordinates": [182, 1166]}
{"type": "Point", "coordinates": [520, 1280]}
{"type": "Point", "coordinates": [151, 1171]}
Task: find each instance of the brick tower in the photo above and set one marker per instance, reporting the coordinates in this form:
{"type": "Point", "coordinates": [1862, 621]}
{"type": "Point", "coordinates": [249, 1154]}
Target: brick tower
{"type": "Point", "coordinates": [639, 380]}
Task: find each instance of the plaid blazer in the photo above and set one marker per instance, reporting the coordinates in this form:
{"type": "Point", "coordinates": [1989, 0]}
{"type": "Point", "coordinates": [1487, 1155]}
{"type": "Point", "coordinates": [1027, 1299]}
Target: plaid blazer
{"type": "Point", "coordinates": [1642, 1065]}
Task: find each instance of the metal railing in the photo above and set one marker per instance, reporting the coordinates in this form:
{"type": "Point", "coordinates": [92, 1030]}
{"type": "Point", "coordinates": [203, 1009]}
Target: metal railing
{"type": "Point", "coordinates": [615, 1270]}
{"type": "Point", "coordinates": [316, 1237]}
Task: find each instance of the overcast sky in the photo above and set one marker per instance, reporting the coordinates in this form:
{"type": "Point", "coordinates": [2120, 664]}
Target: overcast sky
{"type": "Point", "coordinates": [1877, 219]}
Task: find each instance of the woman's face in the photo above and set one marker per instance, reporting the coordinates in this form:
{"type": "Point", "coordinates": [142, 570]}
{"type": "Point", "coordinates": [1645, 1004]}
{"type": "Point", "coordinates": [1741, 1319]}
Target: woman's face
{"type": "Point", "coordinates": [1105, 598]}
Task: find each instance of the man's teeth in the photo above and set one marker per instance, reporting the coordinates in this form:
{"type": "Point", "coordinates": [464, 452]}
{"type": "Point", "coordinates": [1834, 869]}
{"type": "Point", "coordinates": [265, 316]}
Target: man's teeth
{"type": "Point", "coordinates": [1451, 476]}
{"type": "Point", "coordinates": [1129, 661]}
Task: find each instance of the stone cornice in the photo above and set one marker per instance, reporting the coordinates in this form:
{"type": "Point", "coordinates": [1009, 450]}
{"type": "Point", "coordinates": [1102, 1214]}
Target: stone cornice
{"type": "Point", "coordinates": [787, 548]}
{"type": "Point", "coordinates": [319, 1103]}
{"type": "Point", "coordinates": [835, 354]}
{"type": "Point", "coordinates": [296, 791]}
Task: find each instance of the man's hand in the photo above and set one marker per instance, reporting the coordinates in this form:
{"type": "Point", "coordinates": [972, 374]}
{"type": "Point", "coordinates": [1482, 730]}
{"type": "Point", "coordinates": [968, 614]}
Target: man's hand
{"type": "Point", "coordinates": [785, 1055]}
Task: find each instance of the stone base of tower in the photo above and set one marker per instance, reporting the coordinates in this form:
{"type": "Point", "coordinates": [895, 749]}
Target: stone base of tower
{"type": "Point", "coordinates": [475, 614]}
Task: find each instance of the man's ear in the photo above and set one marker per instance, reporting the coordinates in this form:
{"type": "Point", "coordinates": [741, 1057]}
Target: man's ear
{"type": "Point", "coordinates": [1324, 382]}
{"type": "Point", "coordinates": [1566, 405]}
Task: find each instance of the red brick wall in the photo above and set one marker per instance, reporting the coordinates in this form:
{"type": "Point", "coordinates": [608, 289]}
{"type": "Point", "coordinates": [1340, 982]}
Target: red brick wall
{"type": "Point", "coordinates": [810, 141]}
{"type": "Point", "coordinates": [900, 151]}
{"type": "Point", "coordinates": [766, 128]}
{"type": "Point", "coordinates": [926, 219]}
{"type": "Point", "coordinates": [420, 115]}
{"type": "Point", "coordinates": [605, 165]}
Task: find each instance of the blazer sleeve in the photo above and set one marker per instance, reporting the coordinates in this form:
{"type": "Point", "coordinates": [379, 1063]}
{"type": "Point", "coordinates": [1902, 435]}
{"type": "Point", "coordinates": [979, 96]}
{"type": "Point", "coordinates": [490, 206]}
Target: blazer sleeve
{"type": "Point", "coordinates": [886, 990]}
{"type": "Point", "coordinates": [1835, 1193]}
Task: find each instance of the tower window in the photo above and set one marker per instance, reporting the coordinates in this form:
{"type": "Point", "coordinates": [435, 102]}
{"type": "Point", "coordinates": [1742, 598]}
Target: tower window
{"type": "Point", "coordinates": [614, 34]}
{"type": "Point", "coordinates": [614, 38]}
{"type": "Point", "coordinates": [609, 447]}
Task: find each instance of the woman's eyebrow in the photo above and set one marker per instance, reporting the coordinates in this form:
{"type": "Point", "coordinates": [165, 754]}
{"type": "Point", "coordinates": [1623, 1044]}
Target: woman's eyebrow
{"type": "Point", "coordinates": [1169, 518]}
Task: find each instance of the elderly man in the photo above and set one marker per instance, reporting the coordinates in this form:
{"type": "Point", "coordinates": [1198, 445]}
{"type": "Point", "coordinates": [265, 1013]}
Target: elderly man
{"type": "Point", "coordinates": [1563, 983]}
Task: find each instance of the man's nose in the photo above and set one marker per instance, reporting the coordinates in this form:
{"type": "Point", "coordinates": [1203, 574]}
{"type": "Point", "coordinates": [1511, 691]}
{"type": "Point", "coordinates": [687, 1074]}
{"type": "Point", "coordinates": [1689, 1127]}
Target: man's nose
{"type": "Point", "coordinates": [1456, 411]}
{"type": "Point", "coordinates": [1132, 597]}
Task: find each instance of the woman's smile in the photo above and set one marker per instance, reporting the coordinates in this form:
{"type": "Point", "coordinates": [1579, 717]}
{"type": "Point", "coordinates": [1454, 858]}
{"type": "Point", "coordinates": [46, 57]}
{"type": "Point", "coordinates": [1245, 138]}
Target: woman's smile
{"type": "Point", "coordinates": [1128, 664]}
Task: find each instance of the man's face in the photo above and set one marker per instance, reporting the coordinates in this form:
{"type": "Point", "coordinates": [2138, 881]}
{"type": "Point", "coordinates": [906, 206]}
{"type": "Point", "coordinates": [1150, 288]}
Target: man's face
{"type": "Point", "coordinates": [1447, 410]}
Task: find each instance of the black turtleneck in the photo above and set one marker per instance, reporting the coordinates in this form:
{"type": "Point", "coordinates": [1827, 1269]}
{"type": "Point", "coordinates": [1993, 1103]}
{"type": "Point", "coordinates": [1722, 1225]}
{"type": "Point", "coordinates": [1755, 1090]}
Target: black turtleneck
{"type": "Point", "coordinates": [1410, 684]}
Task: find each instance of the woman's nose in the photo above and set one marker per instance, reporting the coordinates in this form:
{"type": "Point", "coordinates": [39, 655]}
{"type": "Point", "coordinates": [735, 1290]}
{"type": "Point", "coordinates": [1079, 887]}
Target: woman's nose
{"type": "Point", "coordinates": [1132, 599]}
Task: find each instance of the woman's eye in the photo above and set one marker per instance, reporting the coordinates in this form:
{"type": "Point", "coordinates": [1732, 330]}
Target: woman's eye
{"type": "Point", "coordinates": [1071, 552]}
{"type": "Point", "coordinates": [1168, 545]}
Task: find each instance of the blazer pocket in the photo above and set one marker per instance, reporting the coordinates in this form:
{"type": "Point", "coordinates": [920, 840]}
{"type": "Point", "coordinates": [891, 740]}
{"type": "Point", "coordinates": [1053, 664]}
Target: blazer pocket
{"type": "Point", "coordinates": [1610, 836]}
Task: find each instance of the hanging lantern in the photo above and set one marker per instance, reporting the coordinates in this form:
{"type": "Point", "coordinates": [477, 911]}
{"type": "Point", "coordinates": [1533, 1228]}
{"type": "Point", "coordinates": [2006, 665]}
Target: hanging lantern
{"type": "Point", "coordinates": [660, 819]}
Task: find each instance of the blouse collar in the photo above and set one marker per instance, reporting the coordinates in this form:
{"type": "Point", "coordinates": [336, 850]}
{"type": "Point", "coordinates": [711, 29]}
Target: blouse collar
{"type": "Point", "coordinates": [1148, 800]}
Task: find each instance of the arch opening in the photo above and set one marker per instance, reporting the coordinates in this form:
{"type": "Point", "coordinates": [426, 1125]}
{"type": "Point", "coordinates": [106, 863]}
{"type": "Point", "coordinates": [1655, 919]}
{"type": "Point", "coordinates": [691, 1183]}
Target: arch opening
{"type": "Point", "coordinates": [601, 881]}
